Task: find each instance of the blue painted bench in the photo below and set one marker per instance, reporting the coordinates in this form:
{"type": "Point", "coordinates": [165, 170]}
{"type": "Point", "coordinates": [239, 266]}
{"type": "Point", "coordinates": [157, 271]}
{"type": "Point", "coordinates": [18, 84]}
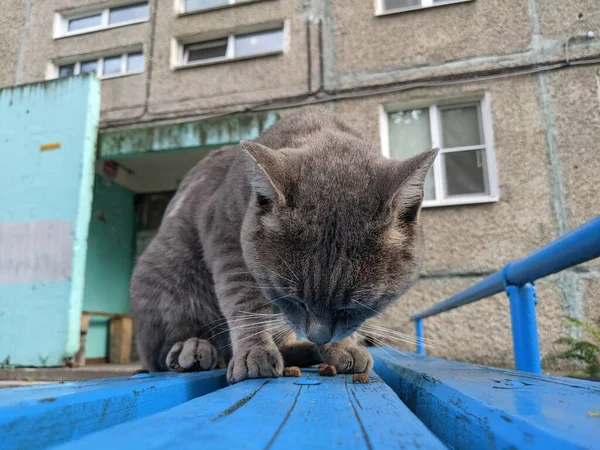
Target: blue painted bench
{"type": "Point", "coordinates": [410, 402]}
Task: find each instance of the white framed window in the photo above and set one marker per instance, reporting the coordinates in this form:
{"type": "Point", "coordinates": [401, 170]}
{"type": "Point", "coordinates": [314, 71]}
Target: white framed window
{"type": "Point", "coordinates": [104, 67]}
{"type": "Point", "coordinates": [231, 47]}
{"type": "Point", "coordinates": [465, 170]}
{"type": "Point", "coordinates": [193, 6]}
{"type": "Point", "coordinates": [383, 7]}
{"type": "Point", "coordinates": [88, 21]}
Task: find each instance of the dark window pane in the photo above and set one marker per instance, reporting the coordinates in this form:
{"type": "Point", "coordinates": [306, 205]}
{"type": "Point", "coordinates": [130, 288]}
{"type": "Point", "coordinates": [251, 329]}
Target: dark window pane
{"type": "Point", "coordinates": [128, 13]}
{"type": "Point", "coordinates": [465, 172]}
{"type": "Point", "coordinates": [399, 4]}
{"type": "Point", "coordinates": [206, 50]}
{"type": "Point", "coordinates": [257, 43]}
{"type": "Point", "coordinates": [135, 62]}
{"type": "Point", "coordinates": [460, 127]}
{"type": "Point", "coordinates": [85, 22]}
{"type": "Point", "coordinates": [194, 5]}
{"type": "Point", "coordinates": [112, 65]}
{"type": "Point", "coordinates": [89, 66]}
{"type": "Point", "coordinates": [66, 71]}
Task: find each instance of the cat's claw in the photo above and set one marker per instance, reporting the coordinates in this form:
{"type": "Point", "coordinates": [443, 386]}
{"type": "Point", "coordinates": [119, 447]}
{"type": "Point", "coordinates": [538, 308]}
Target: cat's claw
{"type": "Point", "coordinates": [192, 355]}
{"type": "Point", "coordinates": [347, 357]}
{"type": "Point", "coordinates": [255, 362]}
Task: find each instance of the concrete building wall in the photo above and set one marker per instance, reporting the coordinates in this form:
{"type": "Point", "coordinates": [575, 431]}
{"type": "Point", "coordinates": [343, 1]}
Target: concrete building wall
{"type": "Point", "coordinates": [545, 122]}
{"type": "Point", "coordinates": [13, 38]}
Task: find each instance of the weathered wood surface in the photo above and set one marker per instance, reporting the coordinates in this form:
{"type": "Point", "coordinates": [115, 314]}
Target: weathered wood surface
{"type": "Point", "coordinates": [464, 406]}
{"type": "Point", "coordinates": [120, 337]}
{"type": "Point", "coordinates": [36, 417]}
{"type": "Point", "coordinates": [478, 407]}
{"type": "Point", "coordinates": [285, 413]}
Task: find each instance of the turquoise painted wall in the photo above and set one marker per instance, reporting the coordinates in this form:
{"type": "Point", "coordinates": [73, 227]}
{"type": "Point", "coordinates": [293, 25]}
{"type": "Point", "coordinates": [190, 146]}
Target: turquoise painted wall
{"type": "Point", "coordinates": [45, 205]}
{"type": "Point", "coordinates": [109, 259]}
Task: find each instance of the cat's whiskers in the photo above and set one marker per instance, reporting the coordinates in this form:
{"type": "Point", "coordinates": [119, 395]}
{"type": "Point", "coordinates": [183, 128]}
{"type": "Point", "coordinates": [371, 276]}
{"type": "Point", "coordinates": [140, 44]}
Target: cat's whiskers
{"type": "Point", "coordinates": [253, 314]}
{"type": "Point", "coordinates": [379, 346]}
{"type": "Point", "coordinates": [251, 326]}
{"type": "Point", "coordinates": [354, 342]}
{"type": "Point", "coordinates": [224, 322]}
{"type": "Point", "coordinates": [376, 335]}
{"type": "Point", "coordinates": [267, 330]}
{"type": "Point", "coordinates": [281, 276]}
{"type": "Point", "coordinates": [407, 337]}
{"type": "Point", "coordinates": [289, 268]}
{"type": "Point", "coordinates": [377, 313]}
{"type": "Point", "coordinates": [382, 345]}
{"type": "Point", "coordinates": [400, 334]}
{"type": "Point", "coordinates": [281, 298]}
{"type": "Point", "coordinates": [254, 286]}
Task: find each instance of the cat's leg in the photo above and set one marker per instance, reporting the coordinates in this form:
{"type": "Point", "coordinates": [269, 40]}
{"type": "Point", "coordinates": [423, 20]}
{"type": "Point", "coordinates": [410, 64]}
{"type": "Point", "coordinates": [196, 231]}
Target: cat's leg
{"type": "Point", "coordinates": [347, 356]}
{"type": "Point", "coordinates": [255, 354]}
{"type": "Point", "coordinates": [298, 353]}
{"type": "Point", "coordinates": [176, 316]}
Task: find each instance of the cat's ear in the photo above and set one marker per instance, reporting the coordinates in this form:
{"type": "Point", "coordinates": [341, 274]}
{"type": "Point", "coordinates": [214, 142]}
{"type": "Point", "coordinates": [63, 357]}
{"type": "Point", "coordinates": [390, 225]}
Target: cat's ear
{"type": "Point", "coordinates": [408, 184]}
{"type": "Point", "coordinates": [266, 170]}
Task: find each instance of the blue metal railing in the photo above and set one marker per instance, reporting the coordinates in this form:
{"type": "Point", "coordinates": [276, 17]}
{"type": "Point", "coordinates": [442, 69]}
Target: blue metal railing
{"type": "Point", "coordinates": [516, 279]}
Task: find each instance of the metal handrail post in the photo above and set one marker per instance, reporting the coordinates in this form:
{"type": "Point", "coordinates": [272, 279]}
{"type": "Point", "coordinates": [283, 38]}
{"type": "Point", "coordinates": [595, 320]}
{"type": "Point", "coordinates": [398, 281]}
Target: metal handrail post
{"type": "Point", "coordinates": [420, 344]}
{"type": "Point", "coordinates": [524, 327]}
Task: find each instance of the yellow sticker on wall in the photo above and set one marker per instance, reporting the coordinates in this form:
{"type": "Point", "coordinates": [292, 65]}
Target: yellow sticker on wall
{"type": "Point", "coordinates": [50, 146]}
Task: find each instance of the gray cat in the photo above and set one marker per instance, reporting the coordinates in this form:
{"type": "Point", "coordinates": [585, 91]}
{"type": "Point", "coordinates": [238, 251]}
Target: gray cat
{"type": "Point", "coordinates": [305, 232]}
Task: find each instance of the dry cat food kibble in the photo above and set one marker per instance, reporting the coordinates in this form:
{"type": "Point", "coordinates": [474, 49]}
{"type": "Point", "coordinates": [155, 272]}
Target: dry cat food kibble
{"type": "Point", "coordinates": [292, 371]}
{"type": "Point", "coordinates": [325, 370]}
{"type": "Point", "coordinates": [221, 365]}
{"type": "Point", "coordinates": [362, 378]}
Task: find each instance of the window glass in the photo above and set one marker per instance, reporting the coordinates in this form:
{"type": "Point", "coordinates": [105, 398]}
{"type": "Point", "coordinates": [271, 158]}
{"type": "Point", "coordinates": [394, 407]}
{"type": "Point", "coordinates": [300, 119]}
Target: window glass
{"type": "Point", "coordinates": [112, 65]}
{"type": "Point", "coordinates": [410, 134]}
{"type": "Point", "coordinates": [66, 71]}
{"type": "Point", "coordinates": [194, 5]}
{"type": "Point", "coordinates": [460, 126]}
{"type": "Point", "coordinates": [465, 172]}
{"type": "Point", "coordinates": [258, 43]}
{"type": "Point", "coordinates": [128, 13]}
{"type": "Point", "coordinates": [206, 50]}
{"type": "Point", "coordinates": [135, 62]}
{"type": "Point", "coordinates": [89, 66]}
{"type": "Point", "coordinates": [85, 22]}
{"type": "Point", "coordinates": [398, 4]}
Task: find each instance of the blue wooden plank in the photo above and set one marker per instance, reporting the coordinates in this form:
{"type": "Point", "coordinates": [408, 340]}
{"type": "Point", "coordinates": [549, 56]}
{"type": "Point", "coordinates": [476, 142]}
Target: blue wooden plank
{"type": "Point", "coordinates": [474, 407]}
{"type": "Point", "coordinates": [284, 413]}
{"type": "Point", "coordinates": [39, 416]}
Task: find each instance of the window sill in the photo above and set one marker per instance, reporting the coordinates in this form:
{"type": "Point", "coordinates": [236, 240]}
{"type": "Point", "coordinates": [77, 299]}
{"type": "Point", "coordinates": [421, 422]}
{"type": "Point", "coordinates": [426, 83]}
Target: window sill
{"type": "Point", "coordinates": [224, 60]}
{"type": "Point", "coordinates": [379, 13]}
{"type": "Point", "coordinates": [216, 8]}
{"type": "Point", "coordinates": [463, 200]}
{"type": "Point", "coordinates": [120, 75]}
{"type": "Point", "coordinates": [108, 77]}
{"type": "Point", "coordinates": [98, 29]}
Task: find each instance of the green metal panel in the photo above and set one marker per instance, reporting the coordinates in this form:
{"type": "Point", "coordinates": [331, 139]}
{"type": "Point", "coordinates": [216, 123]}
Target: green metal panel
{"type": "Point", "coordinates": [47, 143]}
{"type": "Point", "coordinates": [109, 259]}
{"type": "Point", "coordinates": [184, 136]}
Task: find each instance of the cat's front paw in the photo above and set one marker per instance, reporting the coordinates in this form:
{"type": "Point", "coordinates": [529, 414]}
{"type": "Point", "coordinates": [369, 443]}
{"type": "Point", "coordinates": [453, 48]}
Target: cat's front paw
{"type": "Point", "coordinates": [347, 357]}
{"type": "Point", "coordinates": [255, 362]}
{"type": "Point", "coordinates": [192, 355]}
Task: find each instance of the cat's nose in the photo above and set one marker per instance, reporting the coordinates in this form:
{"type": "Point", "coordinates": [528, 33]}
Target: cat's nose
{"type": "Point", "coordinates": [318, 333]}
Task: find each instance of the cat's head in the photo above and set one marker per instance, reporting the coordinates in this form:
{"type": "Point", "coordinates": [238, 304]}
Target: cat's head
{"type": "Point", "coordinates": [332, 233]}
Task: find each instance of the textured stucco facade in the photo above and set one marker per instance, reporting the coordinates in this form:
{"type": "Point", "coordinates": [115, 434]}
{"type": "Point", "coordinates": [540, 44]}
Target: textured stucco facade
{"type": "Point", "coordinates": [545, 119]}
